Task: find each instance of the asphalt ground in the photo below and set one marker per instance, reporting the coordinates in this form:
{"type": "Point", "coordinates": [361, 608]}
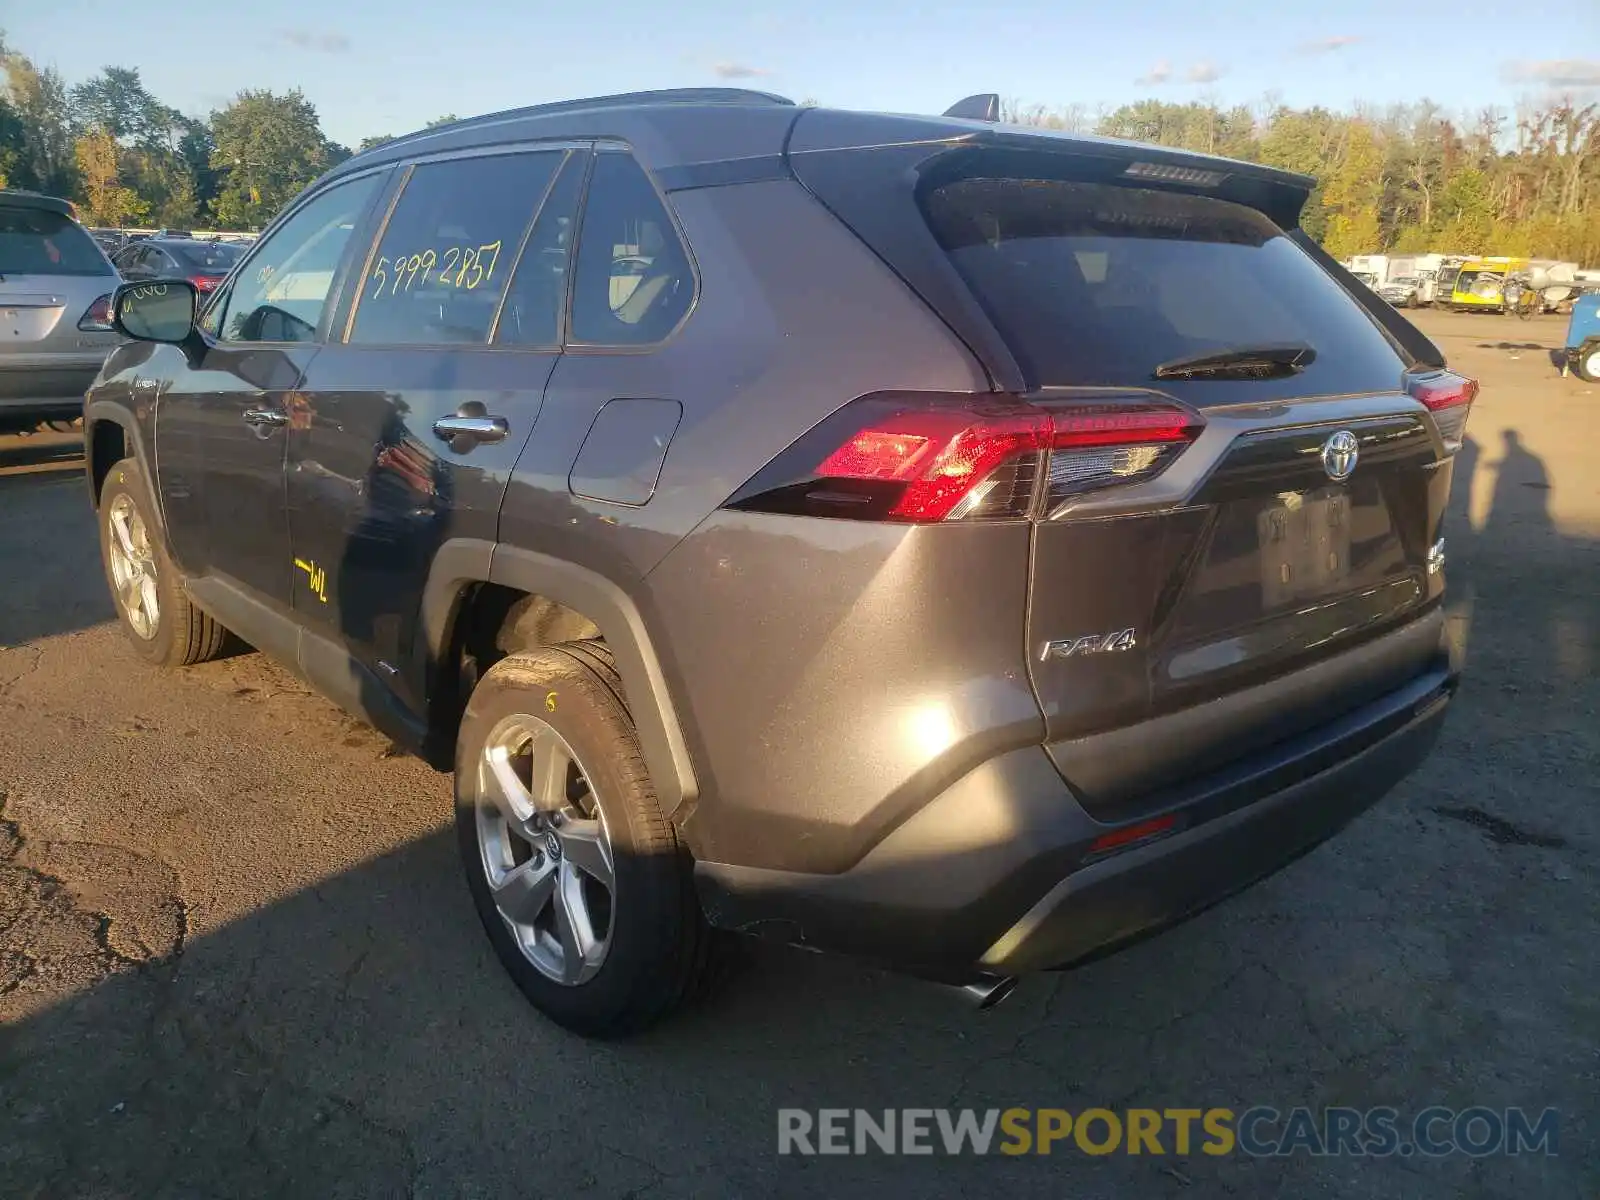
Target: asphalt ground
{"type": "Point", "coordinates": [237, 957]}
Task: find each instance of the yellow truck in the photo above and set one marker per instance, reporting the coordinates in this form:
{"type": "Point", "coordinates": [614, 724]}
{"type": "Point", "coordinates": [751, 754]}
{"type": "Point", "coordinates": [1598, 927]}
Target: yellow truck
{"type": "Point", "coordinates": [1480, 284]}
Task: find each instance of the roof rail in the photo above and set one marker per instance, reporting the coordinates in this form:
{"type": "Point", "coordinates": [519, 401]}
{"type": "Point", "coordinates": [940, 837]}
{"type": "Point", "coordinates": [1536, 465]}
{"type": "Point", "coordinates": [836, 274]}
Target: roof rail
{"type": "Point", "coordinates": [706, 95]}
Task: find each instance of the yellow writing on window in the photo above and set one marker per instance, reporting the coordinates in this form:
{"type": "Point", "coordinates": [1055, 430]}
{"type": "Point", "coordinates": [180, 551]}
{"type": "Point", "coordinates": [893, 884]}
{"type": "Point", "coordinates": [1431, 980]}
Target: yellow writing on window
{"type": "Point", "coordinates": [464, 267]}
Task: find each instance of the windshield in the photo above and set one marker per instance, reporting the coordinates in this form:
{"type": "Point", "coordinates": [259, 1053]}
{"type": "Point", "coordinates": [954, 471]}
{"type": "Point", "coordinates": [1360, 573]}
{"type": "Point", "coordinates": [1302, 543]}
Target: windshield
{"type": "Point", "coordinates": [35, 241]}
{"type": "Point", "coordinates": [1097, 285]}
{"type": "Point", "coordinates": [218, 259]}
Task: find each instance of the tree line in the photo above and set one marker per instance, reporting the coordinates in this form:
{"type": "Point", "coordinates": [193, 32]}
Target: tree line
{"type": "Point", "coordinates": [1406, 178]}
{"type": "Point", "coordinates": [128, 160]}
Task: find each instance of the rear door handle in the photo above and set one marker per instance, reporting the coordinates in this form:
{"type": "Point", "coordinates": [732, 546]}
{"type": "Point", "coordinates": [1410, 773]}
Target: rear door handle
{"type": "Point", "coordinates": [265, 416]}
{"type": "Point", "coordinates": [464, 432]}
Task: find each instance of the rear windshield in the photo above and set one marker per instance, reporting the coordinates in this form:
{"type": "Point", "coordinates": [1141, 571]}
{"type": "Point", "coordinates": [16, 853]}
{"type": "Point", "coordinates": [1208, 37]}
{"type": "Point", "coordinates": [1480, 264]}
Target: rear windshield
{"type": "Point", "coordinates": [35, 241]}
{"type": "Point", "coordinates": [1096, 285]}
{"type": "Point", "coordinates": [219, 258]}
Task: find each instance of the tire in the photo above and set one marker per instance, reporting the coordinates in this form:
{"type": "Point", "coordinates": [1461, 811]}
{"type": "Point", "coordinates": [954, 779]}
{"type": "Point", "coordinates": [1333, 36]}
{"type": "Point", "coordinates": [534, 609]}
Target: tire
{"type": "Point", "coordinates": [1586, 366]}
{"type": "Point", "coordinates": [177, 634]}
{"type": "Point", "coordinates": [657, 946]}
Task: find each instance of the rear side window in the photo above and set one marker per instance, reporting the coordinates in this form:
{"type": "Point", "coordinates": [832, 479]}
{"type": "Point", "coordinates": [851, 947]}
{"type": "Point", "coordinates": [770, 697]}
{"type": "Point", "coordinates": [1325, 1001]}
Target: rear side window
{"type": "Point", "coordinates": [1097, 285]}
{"type": "Point", "coordinates": [448, 249]}
{"type": "Point", "coordinates": [531, 315]}
{"type": "Point", "coordinates": [633, 281]}
{"type": "Point", "coordinates": [34, 241]}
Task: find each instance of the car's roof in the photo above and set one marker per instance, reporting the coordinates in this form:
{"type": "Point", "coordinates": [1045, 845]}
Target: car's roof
{"type": "Point", "coordinates": [16, 198]}
{"type": "Point", "coordinates": [692, 126]}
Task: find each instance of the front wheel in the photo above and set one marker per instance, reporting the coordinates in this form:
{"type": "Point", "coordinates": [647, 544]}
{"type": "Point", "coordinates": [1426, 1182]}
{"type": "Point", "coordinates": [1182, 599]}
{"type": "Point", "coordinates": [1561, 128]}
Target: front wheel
{"type": "Point", "coordinates": [576, 874]}
{"type": "Point", "coordinates": [161, 623]}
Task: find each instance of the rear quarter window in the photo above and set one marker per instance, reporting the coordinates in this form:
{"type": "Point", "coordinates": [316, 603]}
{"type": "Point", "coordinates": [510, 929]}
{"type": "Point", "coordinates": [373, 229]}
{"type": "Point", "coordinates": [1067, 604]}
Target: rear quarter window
{"type": "Point", "coordinates": [1096, 285]}
{"type": "Point", "coordinates": [34, 241]}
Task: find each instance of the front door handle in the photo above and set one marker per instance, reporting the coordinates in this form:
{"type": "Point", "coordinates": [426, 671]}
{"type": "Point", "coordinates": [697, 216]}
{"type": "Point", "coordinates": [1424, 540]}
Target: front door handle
{"type": "Point", "coordinates": [464, 432]}
{"type": "Point", "coordinates": [265, 417]}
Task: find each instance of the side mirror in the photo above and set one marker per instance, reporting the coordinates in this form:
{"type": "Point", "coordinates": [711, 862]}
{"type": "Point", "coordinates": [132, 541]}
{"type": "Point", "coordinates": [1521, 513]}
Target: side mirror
{"type": "Point", "coordinates": [159, 311]}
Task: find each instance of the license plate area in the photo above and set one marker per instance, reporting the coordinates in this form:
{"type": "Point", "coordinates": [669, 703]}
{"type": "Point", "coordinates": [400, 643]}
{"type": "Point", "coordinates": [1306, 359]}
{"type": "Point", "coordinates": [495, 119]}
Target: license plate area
{"type": "Point", "coordinates": [1304, 542]}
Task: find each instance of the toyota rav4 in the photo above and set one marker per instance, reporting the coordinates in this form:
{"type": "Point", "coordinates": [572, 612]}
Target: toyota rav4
{"type": "Point", "coordinates": [960, 546]}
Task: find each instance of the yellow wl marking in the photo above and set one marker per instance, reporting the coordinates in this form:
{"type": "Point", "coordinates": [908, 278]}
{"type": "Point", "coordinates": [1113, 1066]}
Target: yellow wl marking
{"type": "Point", "coordinates": [317, 578]}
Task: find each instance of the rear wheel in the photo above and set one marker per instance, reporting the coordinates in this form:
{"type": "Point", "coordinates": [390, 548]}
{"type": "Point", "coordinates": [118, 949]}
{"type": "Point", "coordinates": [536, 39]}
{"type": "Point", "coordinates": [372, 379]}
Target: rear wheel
{"type": "Point", "coordinates": [577, 876]}
{"type": "Point", "coordinates": [1587, 365]}
{"type": "Point", "coordinates": [161, 623]}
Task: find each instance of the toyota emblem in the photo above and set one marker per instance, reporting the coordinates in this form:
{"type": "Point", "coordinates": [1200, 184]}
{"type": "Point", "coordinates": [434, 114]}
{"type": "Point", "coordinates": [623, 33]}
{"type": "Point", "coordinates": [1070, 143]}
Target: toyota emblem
{"type": "Point", "coordinates": [1339, 455]}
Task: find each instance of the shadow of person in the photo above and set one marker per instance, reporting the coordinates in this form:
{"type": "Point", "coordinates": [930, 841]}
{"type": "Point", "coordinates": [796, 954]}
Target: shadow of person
{"type": "Point", "coordinates": [1521, 488]}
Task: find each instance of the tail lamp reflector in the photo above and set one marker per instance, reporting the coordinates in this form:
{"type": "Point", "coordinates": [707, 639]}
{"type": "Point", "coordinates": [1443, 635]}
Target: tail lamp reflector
{"type": "Point", "coordinates": [1449, 398]}
{"type": "Point", "coordinates": [97, 317]}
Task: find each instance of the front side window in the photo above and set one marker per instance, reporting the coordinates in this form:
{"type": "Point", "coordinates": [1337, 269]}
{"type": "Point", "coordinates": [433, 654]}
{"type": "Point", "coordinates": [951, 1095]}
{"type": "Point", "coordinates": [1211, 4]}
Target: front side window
{"type": "Point", "coordinates": [633, 281]}
{"type": "Point", "coordinates": [280, 294]}
{"type": "Point", "coordinates": [442, 263]}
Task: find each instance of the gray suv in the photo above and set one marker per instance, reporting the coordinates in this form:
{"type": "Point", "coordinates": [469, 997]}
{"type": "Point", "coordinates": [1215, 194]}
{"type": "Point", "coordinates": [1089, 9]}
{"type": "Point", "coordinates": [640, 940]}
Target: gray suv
{"type": "Point", "coordinates": [55, 311]}
{"type": "Point", "coordinates": [964, 547]}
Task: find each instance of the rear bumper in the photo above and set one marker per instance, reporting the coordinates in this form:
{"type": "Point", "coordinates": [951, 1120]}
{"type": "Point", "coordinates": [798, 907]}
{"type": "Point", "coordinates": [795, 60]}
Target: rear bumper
{"type": "Point", "coordinates": [48, 389]}
{"type": "Point", "coordinates": [999, 874]}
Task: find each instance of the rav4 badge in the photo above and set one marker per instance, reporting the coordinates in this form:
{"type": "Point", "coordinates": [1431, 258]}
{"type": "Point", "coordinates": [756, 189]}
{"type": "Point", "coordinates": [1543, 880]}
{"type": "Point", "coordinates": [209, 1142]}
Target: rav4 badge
{"type": "Point", "coordinates": [1094, 643]}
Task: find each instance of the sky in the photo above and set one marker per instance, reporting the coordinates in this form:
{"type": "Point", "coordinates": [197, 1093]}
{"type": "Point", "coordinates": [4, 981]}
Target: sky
{"type": "Point", "coordinates": [372, 67]}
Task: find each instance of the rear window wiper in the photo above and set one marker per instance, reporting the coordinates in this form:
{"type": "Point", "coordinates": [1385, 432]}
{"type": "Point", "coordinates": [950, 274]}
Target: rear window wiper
{"type": "Point", "coordinates": [1240, 362]}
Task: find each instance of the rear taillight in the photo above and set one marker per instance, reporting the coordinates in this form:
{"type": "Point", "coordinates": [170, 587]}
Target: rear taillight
{"type": "Point", "coordinates": [204, 283]}
{"type": "Point", "coordinates": [1449, 398]}
{"type": "Point", "coordinates": [97, 317]}
{"type": "Point", "coordinates": [1100, 445]}
{"type": "Point", "coordinates": [920, 458]}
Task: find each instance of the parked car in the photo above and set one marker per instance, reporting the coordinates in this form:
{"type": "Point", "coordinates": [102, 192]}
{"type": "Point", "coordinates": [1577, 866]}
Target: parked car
{"type": "Point", "coordinates": [762, 557]}
{"type": "Point", "coordinates": [1404, 292]}
{"type": "Point", "coordinates": [55, 311]}
{"type": "Point", "coordinates": [204, 264]}
{"type": "Point", "coordinates": [109, 240]}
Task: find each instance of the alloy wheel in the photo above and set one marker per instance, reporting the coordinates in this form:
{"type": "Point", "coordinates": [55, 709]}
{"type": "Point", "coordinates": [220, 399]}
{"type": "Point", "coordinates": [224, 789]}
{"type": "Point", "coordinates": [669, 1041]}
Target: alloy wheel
{"type": "Point", "coordinates": [545, 849]}
{"type": "Point", "coordinates": [133, 567]}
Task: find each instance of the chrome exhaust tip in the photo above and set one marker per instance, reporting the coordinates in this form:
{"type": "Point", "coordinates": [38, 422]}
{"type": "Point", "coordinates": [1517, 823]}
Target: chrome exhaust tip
{"type": "Point", "coordinates": [987, 992]}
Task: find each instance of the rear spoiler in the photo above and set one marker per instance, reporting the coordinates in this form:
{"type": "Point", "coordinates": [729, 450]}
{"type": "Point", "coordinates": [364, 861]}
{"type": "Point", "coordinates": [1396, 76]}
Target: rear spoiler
{"type": "Point", "coordinates": [1412, 341]}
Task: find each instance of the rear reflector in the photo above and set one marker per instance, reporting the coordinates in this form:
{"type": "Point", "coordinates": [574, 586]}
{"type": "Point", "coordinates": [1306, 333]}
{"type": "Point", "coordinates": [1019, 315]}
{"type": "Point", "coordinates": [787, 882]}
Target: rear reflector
{"type": "Point", "coordinates": [1449, 398]}
{"type": "Point", "coordinates": [919, 458]}
{"type": "Point", "coordinates": [1129, 835]}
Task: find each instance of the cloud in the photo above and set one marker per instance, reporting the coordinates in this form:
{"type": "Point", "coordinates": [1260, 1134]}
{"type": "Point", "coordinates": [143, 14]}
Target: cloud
{"type": "Point", "coordinates": [310, 39]}
{"type": "Point", "coordinates": [735, 70]}
{"type": "Point", "coordinates": [1158, 74]}
{"type": "Point", "coordinates": [1329, 45]}
{"type": "Point", "coordinates": [1554, 72]}
{"type": "Point", "coordinates": [1203, 72]}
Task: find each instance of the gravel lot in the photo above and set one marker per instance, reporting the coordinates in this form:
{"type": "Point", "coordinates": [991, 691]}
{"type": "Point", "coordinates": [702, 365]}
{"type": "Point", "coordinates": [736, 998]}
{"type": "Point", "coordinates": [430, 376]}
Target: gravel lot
{"type": "Point", "coordinates": [236, 957]}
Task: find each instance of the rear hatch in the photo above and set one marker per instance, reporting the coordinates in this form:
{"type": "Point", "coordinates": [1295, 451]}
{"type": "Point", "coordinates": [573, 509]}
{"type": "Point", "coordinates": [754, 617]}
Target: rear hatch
{"type": "Point", "coordinates": [51, 274]}
{"type": "Point", "coordinates": [1247, 486]}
